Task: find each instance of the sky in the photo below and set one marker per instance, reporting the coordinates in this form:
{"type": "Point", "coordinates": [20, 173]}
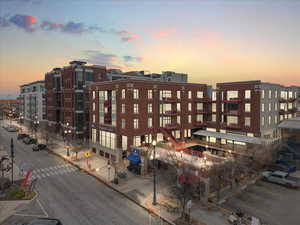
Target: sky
{"type": "Point", "coordinates": [210, 40]}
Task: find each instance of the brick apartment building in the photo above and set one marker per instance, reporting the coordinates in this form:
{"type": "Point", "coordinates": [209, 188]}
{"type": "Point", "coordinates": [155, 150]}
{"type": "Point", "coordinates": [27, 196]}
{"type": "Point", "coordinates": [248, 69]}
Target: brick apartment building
{"type": "Point", "coordinates": [247, 113]}
{"type": "Point", "coordinates": [126, 113]}
{"type": "Point", "coordinates": [66, 98]}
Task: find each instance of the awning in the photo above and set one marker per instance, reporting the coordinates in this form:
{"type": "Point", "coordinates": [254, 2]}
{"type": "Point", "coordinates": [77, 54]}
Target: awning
{"type": "Point", "coordinates": [293, 123]}
{"type": "Point", "coordinates": [233, 137]}
{"type": "Point", "coordinates": [134, 158]}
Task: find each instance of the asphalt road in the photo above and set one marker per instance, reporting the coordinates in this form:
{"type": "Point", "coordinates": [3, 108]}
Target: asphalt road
{"type": "Point", "coordinates": [68, 194]}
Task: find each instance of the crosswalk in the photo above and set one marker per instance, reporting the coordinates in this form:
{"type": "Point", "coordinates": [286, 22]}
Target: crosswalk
{"type": "Point", "coordinates": [56, 170]}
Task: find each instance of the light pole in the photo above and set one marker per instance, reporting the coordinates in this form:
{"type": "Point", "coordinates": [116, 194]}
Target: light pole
{"type": "Point", "coordinates": [67, 132]}
{"type": "Point", "coordinates": [154, 173]}
{"type": "Point", "coordinates": [36, 124]}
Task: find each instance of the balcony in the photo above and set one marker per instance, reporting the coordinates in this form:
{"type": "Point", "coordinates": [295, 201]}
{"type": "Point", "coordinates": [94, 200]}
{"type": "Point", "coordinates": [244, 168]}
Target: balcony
{"type": "Point", "coordinates": [107, 103]}
{"type": "Point", "coordinates": [107, 118]}
{"type": "Point", "coordinates": [291, 99]}
{"type": "Point", "coordinates": [282, 111]}
{"type": "Point", "coordinates": [172, 126]}
{"type": "Point", "coordinates": [200, 124]}
{"type": "Point", "coordinates": [202, 111]}
{"type": "Point", "coordinates": [230, 126]}
{"type": "Point", "coordinates": [204, 99]}
{"type": "Point", "coordinates": [170, 113]}
{"type": "Point", "coordinates": [232, 100]}
{"type": "Point", "coordinates": [232, 113]}
{"type": "Point", "coordinates": [169, 99]}
{"type": "Point", "coordinates": [283, 100]}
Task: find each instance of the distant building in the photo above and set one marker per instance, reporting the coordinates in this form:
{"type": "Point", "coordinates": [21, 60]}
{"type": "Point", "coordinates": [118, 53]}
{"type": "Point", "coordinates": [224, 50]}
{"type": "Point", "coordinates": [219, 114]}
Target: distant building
{"type": "Point", "coordinates": [66, 98]}
{"type": "Point", "coordinates": [32, 102]}
{"type": "Point", "coordinates": [168, 76]}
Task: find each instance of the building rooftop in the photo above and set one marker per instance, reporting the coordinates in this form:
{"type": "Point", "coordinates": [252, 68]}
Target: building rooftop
{"type": "Point", "coordinates": [35, 82]}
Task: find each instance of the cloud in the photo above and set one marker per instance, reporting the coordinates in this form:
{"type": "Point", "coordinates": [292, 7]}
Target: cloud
{"type": "Point", "coordinates": [164, 33]}
{"type": "Point", "coordinates": [24, 22]}
{"type": "Point", "coordinates": [47, 25]}
{"type": "Point", "coordinates": [128, 58]}
{"type": "Point", "coordinates": [127, 36]}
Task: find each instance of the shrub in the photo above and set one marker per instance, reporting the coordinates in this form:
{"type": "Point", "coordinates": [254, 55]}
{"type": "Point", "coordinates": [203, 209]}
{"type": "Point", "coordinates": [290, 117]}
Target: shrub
{"type": "Point", "coordinates": [4, 183]}
{"type": "Point", "coordinates": [17, 193]}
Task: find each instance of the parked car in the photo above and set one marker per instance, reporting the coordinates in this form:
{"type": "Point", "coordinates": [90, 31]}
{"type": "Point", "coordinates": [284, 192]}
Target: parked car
{"type": "Point", "coordinates": [281, 167]}
{"type": "Point", "coordinates": [43, 221]}
{"type": "Point", "coordinates": [39, 147]}
{"type": "Point", "coordinates": [29, 140]}
{"type": "Point", "coordinates": [22, 136]}
{"type": "Point", "coordinates": [280, 177]}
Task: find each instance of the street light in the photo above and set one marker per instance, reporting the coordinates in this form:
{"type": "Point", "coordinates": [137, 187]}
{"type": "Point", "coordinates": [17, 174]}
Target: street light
{"type": "Point", "coordinates": [205, 160]}
{"type": "Point", "coordinates": [154, 173]}
{"type": "Point", "coordinates": [36, 123]}
{"type": "Point", "coordinates": [67, 131]}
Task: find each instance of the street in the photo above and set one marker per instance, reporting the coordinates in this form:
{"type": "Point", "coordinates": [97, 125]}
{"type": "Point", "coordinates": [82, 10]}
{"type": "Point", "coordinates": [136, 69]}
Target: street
{"type": "Point", "coordinates": [68, 194]}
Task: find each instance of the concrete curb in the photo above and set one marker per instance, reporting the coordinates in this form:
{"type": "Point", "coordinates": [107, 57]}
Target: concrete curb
{"type": "Point", "coordinates": [111, 187]}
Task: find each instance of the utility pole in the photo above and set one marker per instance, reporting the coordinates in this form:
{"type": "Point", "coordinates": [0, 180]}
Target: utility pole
{"type": "Point", "coordinates": [12, 155]}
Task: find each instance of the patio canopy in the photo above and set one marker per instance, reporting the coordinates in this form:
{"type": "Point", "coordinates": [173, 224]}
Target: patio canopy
{"type": "Point", "coordinates": [293, 123]}
{"type": "Point", "coordinates": [233, 137]}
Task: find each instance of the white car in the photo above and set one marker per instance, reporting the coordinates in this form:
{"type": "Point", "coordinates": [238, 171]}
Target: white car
{"type": "Point", "coordinates": [280, 177]}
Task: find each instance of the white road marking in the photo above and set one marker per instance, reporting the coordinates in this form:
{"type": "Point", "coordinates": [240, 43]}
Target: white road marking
{"type": "Point", "coordinates": [43, 209]}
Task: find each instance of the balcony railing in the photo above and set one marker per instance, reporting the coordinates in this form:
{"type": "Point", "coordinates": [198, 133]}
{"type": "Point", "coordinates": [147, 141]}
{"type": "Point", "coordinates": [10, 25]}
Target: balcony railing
{"type": "Point", "coordinates": [232, 100]}
{"type": "Point", "coordinates": [200, 124]}
{"type": "Point", "coordinates": [291, 99]}
{"type": "Point", "coordinates": [169, 99]}
{"type": "Point", "coordinates": [282, 111]}
{"type": "Point", "coordinates": [233, 126]}
{"type": "Point", "coordinates": [203, 111]}
{"type": "Point", "coordinates": [232, 112]}
{"type": "Point", "coordinates": [283, 100]}
{"type": "Point", "coordinates": [170, 113]}
{"type": "Point", "coordinates": [204, 99]}
{"type": "Point", "coordinates": [172, 126]}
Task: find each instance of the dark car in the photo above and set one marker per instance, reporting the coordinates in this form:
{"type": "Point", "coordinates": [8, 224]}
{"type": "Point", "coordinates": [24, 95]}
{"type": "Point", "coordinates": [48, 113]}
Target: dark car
{"type": "Point", "coordinates": [29, 140]}
{"type": "Point", "coordinates": [22, 136]}
{"type": "Point", "coordinates": [39, 147]}
{"type": "Point", "coordinates": [44, 221]}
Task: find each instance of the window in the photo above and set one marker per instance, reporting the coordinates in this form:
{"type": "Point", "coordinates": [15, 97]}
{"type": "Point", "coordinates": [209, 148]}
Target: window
{"type": "Point", "coordinates": [135, 123]}
{"type": "Point", "coordinates": [135, 93]}
{"type": "Point", "coordinates": [123, 108]}
{"type": "Point", "coordinates": [247, 121]}
{"type": "Point", "coordinates": [149, 108]}
{"type": "Point", "coordinates": [290, 94]}
{"type": "Point", "coordinates": [214, 118]}
{"type": "Point", "coordinates": [269, 120]}
{"type": "Point", "coordinates": [89, 76]}
{"type": "Point", "coordinates": [214, 107]}
{"type": "Point", "coordinates": [248, 94]}
{"type": "Point", "coordinates": [199, 94]}
{"type": "Point", "coordinates": [123, 93]}
{"type": "Point", "coordinates": [262, 107]}
{"type": "Point", "coordinates": [276, 106]}
{"type": "Point", "coordinates": [94, 106]}
{"type": "Point", "coordinates": [123, 124]}
{"type": "Point", "coordinates": [276, 94]}
{"type": "Point", "coordinates": [94, 94]}
{"type": "Point", "coordinates": [150, 94]}
{"type": "Point", "coordinates": [190, 119]}
{"type": "Point", "coordinates": [79, 79]}
{"type": "Point", "coordinates": [270, 94]}
{"type": "Point", "coordinates": [190, 106]}
{"type": "Point", "coordinates": [94, 118]}
{"type": "Point", "coordinates": [190, 94]}
{"type": "Point", "coordinates": [262, 93]}
{"type": "Point", "coordinates": [94, 135]}
{"type": "Point", "coordinates": [149, 122]}
{"type": "Point", "coordinates": [247, 107]}
{"type": "Point", "coordinates": [135, 108]}
{"type": "Point", "coordinates": [178, 94]}
{"type": "Point", "coordinates": [276, 119]}
{"type": "Point", "coordinates": [178, 106]}
{"type": "Point", "coordinates": [270, 106]}
{"type": "Point", "coordinates": [263, 121]}
{"type": "Point", "coordinates": [232, 95]}
{"type": "Point", "coordinates": [222, 107]}
{"type": "Point", "coordinates": [107, 139]}
{"type": "Point", "coordinates": [214, 96]}
{"type": "Point", "coordinates": [232, 120]}
{"type": "Point", "coordinates": [199, 118]}
{"type": "Point", "coordinates": [178, 119]}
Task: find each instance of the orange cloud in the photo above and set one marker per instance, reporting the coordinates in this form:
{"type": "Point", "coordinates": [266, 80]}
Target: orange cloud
{"type": "Point", "coordinates": [164, 33]}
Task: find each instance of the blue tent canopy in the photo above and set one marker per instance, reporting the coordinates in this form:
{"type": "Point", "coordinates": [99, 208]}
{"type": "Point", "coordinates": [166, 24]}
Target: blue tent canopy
{"type": "Point", "coordinates": [134, 158]}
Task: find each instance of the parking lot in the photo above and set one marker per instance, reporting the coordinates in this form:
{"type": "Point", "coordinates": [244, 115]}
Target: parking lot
{"type": "Point", "coordinates": [271, 203]}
